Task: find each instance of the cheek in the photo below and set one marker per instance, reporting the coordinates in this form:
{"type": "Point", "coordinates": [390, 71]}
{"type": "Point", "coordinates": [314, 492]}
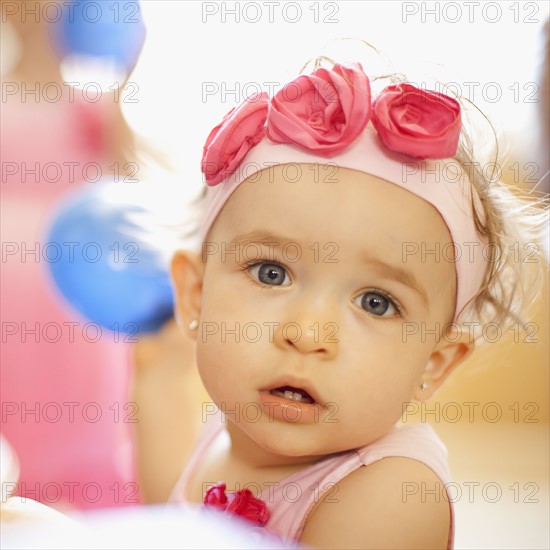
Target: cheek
{"type": "Point", "coordinates": [389, 375]}
{"type": "Point", "coordinates": [218, 375]}
{"type": "Point", "coordinates": [222, 296]}
{"type": "Point", "coordinates": [207, 367]}
{"type": "Point", "coordinates": [224, 365]}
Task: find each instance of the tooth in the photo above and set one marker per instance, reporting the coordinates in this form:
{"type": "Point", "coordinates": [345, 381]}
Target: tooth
{"type": "Point", "coordinates": [297, 396]}
{"type": "Point", "coordinates": [289, 394]}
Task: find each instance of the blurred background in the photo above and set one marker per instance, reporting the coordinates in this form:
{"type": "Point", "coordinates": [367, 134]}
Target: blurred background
{"type": "Point", "coordinates": [126, 93]}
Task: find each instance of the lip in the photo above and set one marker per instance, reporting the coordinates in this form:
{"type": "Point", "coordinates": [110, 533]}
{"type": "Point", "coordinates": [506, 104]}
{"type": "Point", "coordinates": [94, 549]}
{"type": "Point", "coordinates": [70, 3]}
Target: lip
{"type": "Point", "coordinates": [296, 383]}
{"type": "Point", "coordinates": [288, 411]}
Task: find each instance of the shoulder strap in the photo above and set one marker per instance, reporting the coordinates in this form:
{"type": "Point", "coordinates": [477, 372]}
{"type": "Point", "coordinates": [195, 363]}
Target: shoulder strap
{"type": "Point", "coordinates": [295, 497]}
{"type": "Point", "coordinates": [212, 429]}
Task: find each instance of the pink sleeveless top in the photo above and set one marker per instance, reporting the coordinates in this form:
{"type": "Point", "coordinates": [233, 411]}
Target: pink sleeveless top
{"type": "Point", "coordinates": [292, 499]}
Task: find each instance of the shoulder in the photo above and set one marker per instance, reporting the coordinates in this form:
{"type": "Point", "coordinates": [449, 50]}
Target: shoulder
{"type": "Point", "coordinates": [412, 440]}
{"type": "Point", "coordinates": [396, 502]}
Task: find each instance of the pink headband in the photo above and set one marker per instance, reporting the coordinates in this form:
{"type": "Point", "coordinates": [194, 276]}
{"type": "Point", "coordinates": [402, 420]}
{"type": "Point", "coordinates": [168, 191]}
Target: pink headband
{"type": "Point", "coordinates": [323, 118]}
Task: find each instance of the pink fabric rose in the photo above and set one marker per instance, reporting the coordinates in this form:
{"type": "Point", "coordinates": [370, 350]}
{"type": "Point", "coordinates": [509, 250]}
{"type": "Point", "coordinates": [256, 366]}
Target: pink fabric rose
{"type": "Point", "coordinates": [419, 123]}
{"type": "Point", "coordinates": [238, 503]}
{"type": "Point", "coordinates": [241, 129]}
{"type": "Point", "coordinates": [323, 112]}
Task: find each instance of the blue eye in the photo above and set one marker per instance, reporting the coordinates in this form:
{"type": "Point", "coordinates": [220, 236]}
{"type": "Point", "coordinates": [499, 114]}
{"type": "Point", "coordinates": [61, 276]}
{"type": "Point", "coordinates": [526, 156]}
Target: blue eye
{"type": "Point", "coordinates": [270, 274]}
{"type": "Point", "coordinates": [377, 304]}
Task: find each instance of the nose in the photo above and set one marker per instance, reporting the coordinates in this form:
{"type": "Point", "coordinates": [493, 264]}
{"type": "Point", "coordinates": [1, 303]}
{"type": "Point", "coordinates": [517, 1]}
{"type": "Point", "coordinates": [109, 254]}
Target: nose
{"type": "Point", "coordinates": [309, 333]}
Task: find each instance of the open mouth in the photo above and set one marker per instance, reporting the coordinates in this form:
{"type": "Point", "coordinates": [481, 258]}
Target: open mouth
{"type": "Point", "coordinates": [293, 394]}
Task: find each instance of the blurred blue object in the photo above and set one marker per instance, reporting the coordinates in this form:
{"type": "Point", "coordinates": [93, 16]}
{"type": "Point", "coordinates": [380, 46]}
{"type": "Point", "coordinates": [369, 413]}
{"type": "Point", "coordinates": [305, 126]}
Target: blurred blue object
{"type": "Point", "coordinates": [111, 29]}
{"type": "Point", "coordinates": [105, 265]}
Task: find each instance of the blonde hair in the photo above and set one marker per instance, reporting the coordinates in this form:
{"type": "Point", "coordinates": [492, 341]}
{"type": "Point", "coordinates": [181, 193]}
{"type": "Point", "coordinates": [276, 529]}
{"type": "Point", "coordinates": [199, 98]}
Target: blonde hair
{"type": "Point", "coordinates": [514, 221]}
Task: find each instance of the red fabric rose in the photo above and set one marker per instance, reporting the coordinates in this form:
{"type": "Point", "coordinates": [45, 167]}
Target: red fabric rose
{"type": "Point", "coordinates": [323, 112]}
{"type": "Point", "coordinates": [419, 123]}
{"type": "Point", "coordinates": [215, 496]}
{"type": "Point", "coordinates": [227, 144]}
{"type": "Point", "coordinates": [246, 505]}
{"type": "Point", "coordinates": [238, 503]}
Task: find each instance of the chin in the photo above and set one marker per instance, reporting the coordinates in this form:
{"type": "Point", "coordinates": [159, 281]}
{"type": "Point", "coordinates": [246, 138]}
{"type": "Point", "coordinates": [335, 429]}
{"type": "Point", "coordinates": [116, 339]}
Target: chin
{"type": "Point", "coordinates": [284, 447]}
{"type": "Point", "coordinates": [301, 445]}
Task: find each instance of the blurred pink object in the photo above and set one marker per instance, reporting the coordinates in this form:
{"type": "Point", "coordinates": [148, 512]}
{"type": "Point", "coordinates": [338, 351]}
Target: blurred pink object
{"type": "Point", "coordinates": [63, 385]}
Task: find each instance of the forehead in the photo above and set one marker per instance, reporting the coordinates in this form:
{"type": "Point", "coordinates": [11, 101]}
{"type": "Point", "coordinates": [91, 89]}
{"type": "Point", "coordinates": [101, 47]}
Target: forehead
{"type": "Point", "coordinates": [328, 203]}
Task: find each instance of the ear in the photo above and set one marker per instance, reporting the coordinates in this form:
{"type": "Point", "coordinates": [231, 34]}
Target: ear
{"type": "Point", "coordinates": [443, 361]}
{"type": "Point", "coordinates": [187, 271]}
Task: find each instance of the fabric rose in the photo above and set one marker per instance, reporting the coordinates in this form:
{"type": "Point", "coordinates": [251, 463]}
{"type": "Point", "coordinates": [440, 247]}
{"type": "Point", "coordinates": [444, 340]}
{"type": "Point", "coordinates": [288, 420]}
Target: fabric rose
{"type": "Point", "coordinates": [215, 496]}
{"type": "Point", "coordinates": [246, 505]}
{"type": "Point", "coordinates": [323, 112]}
{"type": "Point", "coordinates": [241, 129]}
{"type": "Point", "coordinates": [419, 123]}
{"type": "Point", "coordinates": [238, 503]}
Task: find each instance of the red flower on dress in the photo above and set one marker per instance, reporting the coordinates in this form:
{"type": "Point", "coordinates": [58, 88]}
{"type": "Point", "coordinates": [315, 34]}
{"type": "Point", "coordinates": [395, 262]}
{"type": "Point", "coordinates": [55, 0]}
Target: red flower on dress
{"type": "Point", "coordinates": [419, 123]}
{"type": "Point", "coordinates": [215, 496]}
{"type": "Point", "coordinates": [238, 503]}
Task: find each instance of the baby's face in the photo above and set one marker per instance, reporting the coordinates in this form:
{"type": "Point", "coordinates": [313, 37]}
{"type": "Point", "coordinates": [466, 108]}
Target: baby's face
{"type": "Point", "coordinates": [307, 290]}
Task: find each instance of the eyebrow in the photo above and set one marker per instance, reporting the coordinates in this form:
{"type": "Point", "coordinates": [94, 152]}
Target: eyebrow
{"type": "Point", "coordinates": [259, 237]}
{"type": "Point", "coordinates": [400, 275]}
{"type": "Point", "coordinates": [390, 271]}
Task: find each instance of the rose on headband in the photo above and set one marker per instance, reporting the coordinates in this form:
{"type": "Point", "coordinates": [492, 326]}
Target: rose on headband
{"type": "Point", "coordinates": [323, 112]}
{"type": "Point", "coordinates": [238, 503]}
{"type": "Point", "coordinates": [419, 123]}
{"type": "Point", "coordinates": [241, 129]}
